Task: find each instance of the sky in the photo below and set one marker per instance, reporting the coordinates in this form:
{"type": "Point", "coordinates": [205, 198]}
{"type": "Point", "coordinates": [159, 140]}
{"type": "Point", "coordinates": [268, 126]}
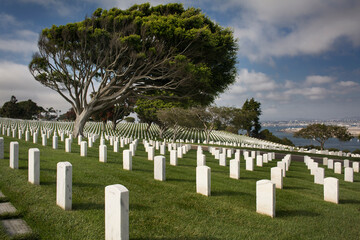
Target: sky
{"type": "Point", "coordinates": [299, 59]}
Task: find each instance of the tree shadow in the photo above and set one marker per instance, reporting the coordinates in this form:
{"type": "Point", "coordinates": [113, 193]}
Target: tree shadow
{"type": "Point", "coordinates": [295, 213]}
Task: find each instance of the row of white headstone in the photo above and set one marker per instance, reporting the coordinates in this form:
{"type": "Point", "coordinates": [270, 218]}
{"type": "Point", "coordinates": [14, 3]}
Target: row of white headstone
{"type": "Point", "coordinates": [116, 196]}
{"type": "Point", "coordinates": [331, 184]}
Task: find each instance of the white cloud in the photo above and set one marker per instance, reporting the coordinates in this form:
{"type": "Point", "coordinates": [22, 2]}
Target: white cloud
{"type": "Point", "coordinates": [7, 20]}
{"type": "Point", "coordinates": [318, 80]}
{"type": "Point", "coordinates": [15, 79]}
{"type": "Point", "coordinates": [348, 84]}
{"type": "Point", "coordinates": [255, 81]}
{"type": "Point", "coordinates": [276, 28]}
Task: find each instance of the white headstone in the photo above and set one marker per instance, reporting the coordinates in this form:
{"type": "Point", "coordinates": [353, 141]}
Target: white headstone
{"type": "Point", "coordinates": [222, 160]}
{"type": "Point", "coordinates": [159, 168]}
{"type": "Point", "coordinates": [1, 148]}
{"type": "Point", "coordinates": [249, 164]}
{"type": "Point", "coordinates": [151, 153]}
{"type": "Point", "coordinates": [201, 160]}
{"type": "Point", "coordinates": [330, 164]}
{"type": "Point", "coordinates": [355, 166]}
{"type": "Point", "coordinates": [55, 142]}
{"type": "Point", "coordinates": [173, 157]}
{"type": "Point", "coordinates": [34, 166]}
{"type": "Point", "coordinates": [349, 174]}
{"type": "Point", "coordinates": [83, 148]}
{"type": "Point", "coordinates": [265, 158]}
{"type": "Point", "coordinates": [127, 160]}
{"type": "Point", "coordinates": [237, 155]}
{"type": "Point", "coordinates": [277, 177]}
{"type": "Point", "coordinates": [162, 149]}
{"type": "Point", "coordinates": [102, 153]}
{"type": "Point", "coordinates": [235, 169]}
{"type": "Point", "coordinates": [319, 175]}
{"type": "Point", "coordinates": [337, 167]}
{"type": "Point", "coordinates": [44, 139]}
{"type": "Point", "coordinates": [265, 197]}
{"type": "Point", "coordinates": [116, 146]}
{"type": "Point", "coordinates": [14, 155]}
{"type": "Point", "coordinates": [132, 148]}
{"type": "Point", "coordinates": [79, 139]}
{"type": "Point", "coordinates": [35, 137]}
{"type": "Point", "coordinates": [67, 145]}
{"type": "Point", "coordinates": [346, 163]}
{"type": "Point", "coordinates": [179, 152]}
{"type": "Point", "coordinates": [282, 165]}
{"type": "Point", "coordinates": [331, 190]}
{"type": "Point", "coordinates": [203, 180]}
{"type": "Point", "coordinates": [27, 136]}
{"type": "Point", "coordinates": [116, 212]}
{"type": "Point", "coordinates": [259, 160]}
{"type": "Point", "coordinates": [64, 185]}
{"type": "Point", "coordinates": [325, 161]}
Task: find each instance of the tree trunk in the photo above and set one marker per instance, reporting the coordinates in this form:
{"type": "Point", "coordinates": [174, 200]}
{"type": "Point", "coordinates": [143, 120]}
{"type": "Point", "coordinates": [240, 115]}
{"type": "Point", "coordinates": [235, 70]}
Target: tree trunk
{"type": "Point", "coordinates": [207, 137]}
{"type": "Point", "coordinates": [113, 125]}
{"type": "Point", "coordinates": [80, 122]}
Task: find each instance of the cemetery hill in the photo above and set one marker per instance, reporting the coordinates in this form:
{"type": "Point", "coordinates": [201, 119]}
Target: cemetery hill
{"type": "Point", "coordinates": [180, 170]}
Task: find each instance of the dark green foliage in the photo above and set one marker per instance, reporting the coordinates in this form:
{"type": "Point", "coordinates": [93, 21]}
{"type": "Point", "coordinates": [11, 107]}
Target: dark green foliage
{"type": "Point", "coordinates": [321, 133]}
{"type": "Point", "coordinates": [248, 117]}
{"type": "Point", "coordinates": [21, 110]}
{"type": "Point", "coordinates": [135, 52]}
{"type": "Point", "coordinates": [129, 119]}
{"type": "Point", "coordinates": [267, 135]}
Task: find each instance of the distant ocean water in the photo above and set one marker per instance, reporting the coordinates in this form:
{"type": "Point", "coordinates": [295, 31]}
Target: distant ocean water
{"type": "Point", "coordinates": [331, 143]}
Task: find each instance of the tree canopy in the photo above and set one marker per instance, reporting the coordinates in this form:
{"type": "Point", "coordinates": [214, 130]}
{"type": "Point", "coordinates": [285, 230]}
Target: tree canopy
{"type": "Point", "coordinates": [248, 117]}
{"type": "Point", "coordinates": [321, 133]}
{"type": "Point", "coordinates": [21, 110]}
{"type": "Point", "coordinates": [130, 53]}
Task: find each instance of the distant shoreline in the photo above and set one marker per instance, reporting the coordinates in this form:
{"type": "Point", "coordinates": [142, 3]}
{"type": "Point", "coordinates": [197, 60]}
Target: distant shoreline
{"type": "Point", "coordinates": [354, 131]}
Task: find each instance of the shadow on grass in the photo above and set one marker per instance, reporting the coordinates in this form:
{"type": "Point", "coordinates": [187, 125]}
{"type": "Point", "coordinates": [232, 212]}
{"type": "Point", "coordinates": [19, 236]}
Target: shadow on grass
{"type": "Point", "coordinates": [179, 238]}
{"type": "Point", "coordinates": [349, 201]}
{"type": "Point", "coordinates": [138, 207]}
{"type": "Point", "coordinates": [228, 193]}
{"type": "Point", "coordinates": [79, 184]}
{"type": "Point", "coordinates": [179, 180]}
{"type": "Point", "coordinates": [295, 213]}
{"type": "Point", "coordinates": [87, 206]}
{"type": "Point", "coordinates": [48, 169]}
{"type": "Point", "coordinates": [47, 183]}
{"type": "Point", "coordinates": [294, 188]}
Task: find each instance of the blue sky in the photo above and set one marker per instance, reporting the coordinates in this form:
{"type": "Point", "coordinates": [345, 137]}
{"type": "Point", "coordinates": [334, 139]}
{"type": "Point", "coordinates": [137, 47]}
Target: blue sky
{"type": "Point", "coordinates": [300, 59]}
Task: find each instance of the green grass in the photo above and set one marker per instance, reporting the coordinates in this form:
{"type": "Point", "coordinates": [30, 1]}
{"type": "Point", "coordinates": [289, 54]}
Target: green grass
{"type": "Point", "coordinates": [172, 209]}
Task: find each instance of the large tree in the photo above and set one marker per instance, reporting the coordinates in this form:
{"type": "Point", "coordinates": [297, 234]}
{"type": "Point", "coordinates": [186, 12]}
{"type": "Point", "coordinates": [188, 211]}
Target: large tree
{"type": "Point", "coordinates": [321, 133]}
{"type": "Point", "coordinates": [129, 53]}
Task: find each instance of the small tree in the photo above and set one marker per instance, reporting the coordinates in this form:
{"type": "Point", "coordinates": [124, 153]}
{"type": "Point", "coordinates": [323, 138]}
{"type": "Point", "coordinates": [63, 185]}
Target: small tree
{"type": "Point", "coordinates": [146, 110]}
{"type": "Point", "coordinates": [247, 117]}
{"type": "Point", "coordinates": [321, 133]}
{"type": "Point", "coordinates": [175, 118]}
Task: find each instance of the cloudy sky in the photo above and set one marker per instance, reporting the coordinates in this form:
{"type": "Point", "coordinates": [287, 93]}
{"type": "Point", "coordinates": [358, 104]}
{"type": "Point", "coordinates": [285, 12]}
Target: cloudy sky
{"type": "Point", "coordinates": [300, 59]}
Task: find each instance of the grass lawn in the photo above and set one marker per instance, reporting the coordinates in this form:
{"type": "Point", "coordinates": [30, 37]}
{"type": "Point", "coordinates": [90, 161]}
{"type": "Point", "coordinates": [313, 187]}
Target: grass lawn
{"type": "Point", "coordinates": [172, 209]}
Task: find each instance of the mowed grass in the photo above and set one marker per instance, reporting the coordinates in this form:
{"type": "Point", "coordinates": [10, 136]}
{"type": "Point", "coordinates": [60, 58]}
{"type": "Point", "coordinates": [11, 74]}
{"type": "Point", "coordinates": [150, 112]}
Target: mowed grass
{"type": "Point", "coordinates": [172, 209]}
